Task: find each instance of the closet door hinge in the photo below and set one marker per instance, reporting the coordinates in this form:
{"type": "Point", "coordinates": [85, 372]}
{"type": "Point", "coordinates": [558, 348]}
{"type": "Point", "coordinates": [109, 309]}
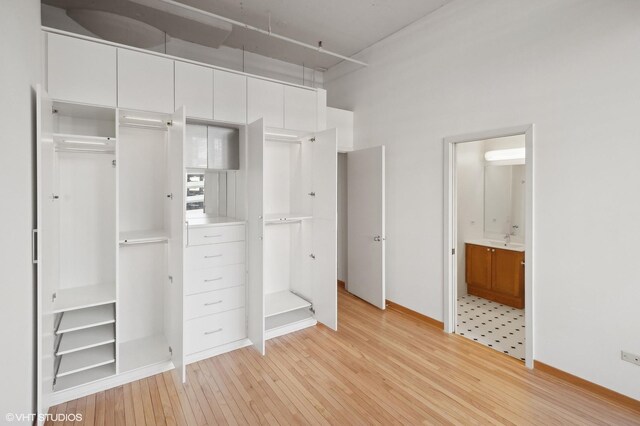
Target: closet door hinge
{"type": "Point", "coordinates": [453, 251]}
{"type": "Point", "coordinates": [313, 256]}
{"type": "Point", "coordinates": [53, 297]}
{"type": "Point", "coordinates": [170, 351]}
{"type": "Point", "coordinates": [312, 194]}
{"type": "Point", "coordinates": [313, 139]}
{"type": "Point", "coordinates": [170, 196]}
{"type": "Point", "coordinates": [113, 163]}
{"type": "Point", "coordinates": [170, 123]}
{"type": "Point", "coordinates": [55, 197]}
{"type": "Point", "coordinates": [170, 279]}
{"type": "Point", "coordinates": [311, 309]}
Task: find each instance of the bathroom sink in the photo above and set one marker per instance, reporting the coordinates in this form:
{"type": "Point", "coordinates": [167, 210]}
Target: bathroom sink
{"type": "Point", "coordinates": [498, 244]}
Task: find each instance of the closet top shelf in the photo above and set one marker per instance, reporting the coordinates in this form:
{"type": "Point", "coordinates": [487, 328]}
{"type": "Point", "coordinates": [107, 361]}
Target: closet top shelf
{"type": "Point", "coordinates": [202, 222]}
{"type": "Point", "coordinates": [274, 218]}
{"type": "Point", "coordinates": [281, 302]}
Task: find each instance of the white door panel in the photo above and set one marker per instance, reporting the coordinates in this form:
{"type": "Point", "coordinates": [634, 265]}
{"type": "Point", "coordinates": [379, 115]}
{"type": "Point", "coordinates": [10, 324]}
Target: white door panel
{"type": "Point", "coordinates": [366, 234]}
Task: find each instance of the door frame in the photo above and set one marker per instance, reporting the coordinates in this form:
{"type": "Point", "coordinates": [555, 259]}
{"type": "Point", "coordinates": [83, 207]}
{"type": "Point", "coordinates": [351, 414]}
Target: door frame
{"type": "Point", "coordinates": [450, 256]}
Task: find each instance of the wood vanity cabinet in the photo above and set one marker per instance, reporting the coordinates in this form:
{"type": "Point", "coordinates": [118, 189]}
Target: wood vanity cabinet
{"type": "Point", "coordinates": [495, 274]}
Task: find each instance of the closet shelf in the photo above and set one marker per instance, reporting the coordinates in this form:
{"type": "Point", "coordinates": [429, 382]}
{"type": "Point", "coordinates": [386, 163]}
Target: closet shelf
{"type": "Point", "coordinates": [281, 302]}
{"type": "Point", "coordinates": [143, 352]}
{"type": "Point", "coordinates": [86, 318]}
{"type": "Point", "coordinates": [84, 377]}
{"type": "Point", "coordinates": [83, 360]}
{"type": "Point", "coordinates": [85, 339]}
{"type": "Point", "coordinates": [143, 237]}
{"type": "Point", "coordinates": [275, 218]}
{"type": "Point", "coordinates": [84, 297]}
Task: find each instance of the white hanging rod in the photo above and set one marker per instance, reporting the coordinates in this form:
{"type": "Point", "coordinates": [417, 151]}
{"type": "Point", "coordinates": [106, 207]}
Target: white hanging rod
{"type": "Point", "coordinates": [150, 3]}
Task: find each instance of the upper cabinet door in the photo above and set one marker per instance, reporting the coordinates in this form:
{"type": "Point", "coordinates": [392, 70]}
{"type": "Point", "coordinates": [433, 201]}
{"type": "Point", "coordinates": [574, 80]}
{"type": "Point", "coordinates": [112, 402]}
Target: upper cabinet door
{"type": "Point", "coordinates": [343, 121]}
{"type": "Point", "coordinates": [195, 147]}
{"type": "Point", "coordinates": [300, 109]}
{"type": "Point", "coordinates": [145, 82]}
{"type": "Point", "coordinates": [229, 97]}
{"type": "Point", "coordinates": [266, 100]}
{"type": "Point", "coordinates": [81, 71]}
{"type": "Point", "coordinates": [194, 90]}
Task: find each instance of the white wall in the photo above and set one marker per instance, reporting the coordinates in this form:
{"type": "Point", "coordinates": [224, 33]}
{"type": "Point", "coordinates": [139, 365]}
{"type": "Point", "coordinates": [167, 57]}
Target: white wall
{"type": "Point", "coordinates": [20, 52]}
{"type": "Point", "coordinates": [223, 57]}
{"type": "Point", "coordinates": [570, 67]}
{"type": "Point", "coordinates": [342, 217]}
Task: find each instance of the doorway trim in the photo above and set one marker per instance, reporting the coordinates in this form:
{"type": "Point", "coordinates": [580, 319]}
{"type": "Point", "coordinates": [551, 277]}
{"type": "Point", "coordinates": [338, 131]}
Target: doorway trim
{"type": "Point", "coordinates": [450, 231]}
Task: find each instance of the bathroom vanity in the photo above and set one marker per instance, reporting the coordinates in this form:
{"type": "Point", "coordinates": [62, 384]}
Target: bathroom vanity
{"type": "Point", "coordinates": [495, 271]}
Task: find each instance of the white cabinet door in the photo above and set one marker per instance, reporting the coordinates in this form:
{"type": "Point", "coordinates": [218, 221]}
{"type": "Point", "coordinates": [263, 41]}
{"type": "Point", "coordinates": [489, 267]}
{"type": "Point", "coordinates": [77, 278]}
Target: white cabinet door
{"type": "Point", "coordinates": [81, 71]}
{"type": "Point", "coordinates": [321, 98]}
{"type": "Point", "coordinates": [343, 121]}
{"type": "Point", "coordinates": [194, 89]}
{"type": "Point", "coordinates": [174, 306]}
{"type": "Point", "coordinates": [145, 82]}
{"type": "Point", "coordinates": [229, 97]}
{"type": "Point", "coordinates": [325, 233]}
{"type": "Point", "coordinates": [255, 188]}
{"type": "Point", "coordinates": [366, 234]}
{"type": "Point", "coordinates": [300, 109]}
{"type": "Point", "coordinates": [195, 147]}
{"type": "Point", "coordinates": [265, 100]}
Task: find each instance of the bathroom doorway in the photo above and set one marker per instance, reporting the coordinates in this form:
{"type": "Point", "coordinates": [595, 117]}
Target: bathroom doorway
{"type": "Point", "coordinates": [488, 241]}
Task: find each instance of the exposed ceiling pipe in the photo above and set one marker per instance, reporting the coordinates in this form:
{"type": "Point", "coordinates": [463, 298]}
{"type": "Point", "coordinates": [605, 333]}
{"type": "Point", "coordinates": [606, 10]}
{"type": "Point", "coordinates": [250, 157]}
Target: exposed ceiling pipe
{"type": "Point", "coordinates": [170, 5]}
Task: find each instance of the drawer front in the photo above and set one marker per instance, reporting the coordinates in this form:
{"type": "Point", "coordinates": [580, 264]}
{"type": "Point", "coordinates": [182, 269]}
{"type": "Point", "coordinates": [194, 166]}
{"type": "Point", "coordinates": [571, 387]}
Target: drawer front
{"type": "Point", "coordinates": [202, 280]}
{"type": "Point", "coordinates": [214, 330]}
{"type": "Point", "coordinates": [216, 234]}
{"type": "Point", "coordinates": [214, 255]}
{"type": "Point", "coordinates": [213, 302]}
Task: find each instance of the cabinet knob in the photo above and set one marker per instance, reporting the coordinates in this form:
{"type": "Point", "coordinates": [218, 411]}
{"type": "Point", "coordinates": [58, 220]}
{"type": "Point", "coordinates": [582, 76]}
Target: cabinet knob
{"type": "Point", "coordinates": [488, 249]}
{"type": "Point", "coordinates": [493, 250]}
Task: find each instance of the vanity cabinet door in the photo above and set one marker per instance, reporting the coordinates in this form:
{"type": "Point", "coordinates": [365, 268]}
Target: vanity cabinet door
{"type": "Point", "coordinates": [478, 266]}
{"type": "Point", "coordinates": [508, 273]}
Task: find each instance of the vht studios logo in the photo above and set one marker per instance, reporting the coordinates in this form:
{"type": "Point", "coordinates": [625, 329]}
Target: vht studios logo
{"type": "Point", "coordinates": [48, 417]}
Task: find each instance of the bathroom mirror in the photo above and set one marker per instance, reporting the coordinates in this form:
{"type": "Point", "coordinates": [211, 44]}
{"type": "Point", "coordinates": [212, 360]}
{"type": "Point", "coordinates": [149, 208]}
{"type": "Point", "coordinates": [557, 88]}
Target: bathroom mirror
{"type": "Point", "coordinates": [504, 200]}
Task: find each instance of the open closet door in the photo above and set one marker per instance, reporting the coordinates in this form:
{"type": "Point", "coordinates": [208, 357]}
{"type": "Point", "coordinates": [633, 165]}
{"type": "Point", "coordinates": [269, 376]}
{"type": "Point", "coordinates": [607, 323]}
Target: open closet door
{"type": "Point", "coordinates": [255, 190]}
{"type": "Point", "coordinates": [45, 249]}
{"type": "Point", "coordinates": [366, 234]}
{"type": "Point", "coordinates": [174, 318]}
{"type": "Point", "coordinates": [325, 234]}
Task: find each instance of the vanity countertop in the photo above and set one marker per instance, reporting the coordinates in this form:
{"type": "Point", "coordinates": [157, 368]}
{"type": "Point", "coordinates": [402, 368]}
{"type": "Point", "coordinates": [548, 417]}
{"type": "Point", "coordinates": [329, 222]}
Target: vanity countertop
{"type": "Point", "coordinates": [497, 244]}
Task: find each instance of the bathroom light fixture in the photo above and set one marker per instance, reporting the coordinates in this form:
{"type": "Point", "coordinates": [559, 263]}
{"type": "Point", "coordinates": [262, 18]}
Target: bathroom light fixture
{"type": "Point", "coordinates": [505, 154]}
{"type": "Point", "coordinates": [150, 120]}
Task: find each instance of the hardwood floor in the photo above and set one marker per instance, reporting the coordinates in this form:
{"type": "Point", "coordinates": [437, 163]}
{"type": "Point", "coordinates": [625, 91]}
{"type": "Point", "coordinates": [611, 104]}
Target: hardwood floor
{"type": "Point", "coordinates": [380, 368]}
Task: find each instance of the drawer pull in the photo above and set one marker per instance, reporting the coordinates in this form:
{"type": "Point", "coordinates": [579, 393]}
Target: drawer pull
{"type": "Point", "coordinates": [215, 255]}
{"type": "Point", "coordinates": [213, 331]}
{"type": "Point", "coordinates": [213, 236]}
{"type": "Point", "coordinates": [213, 279]}
{"type": "Point", "coordinates": [213, 303]}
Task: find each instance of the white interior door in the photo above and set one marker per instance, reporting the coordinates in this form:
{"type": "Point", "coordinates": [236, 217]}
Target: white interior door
{"type": "Point", "coordinates": [174, 316]}
{"type": "Point", "coordinates": [255, 188]}
{"type": "Point", "coordinates": [366, 234]}
{"type": "Point", "coordinates": [47, 228]}
{"type": "Point", "coordinates": [324, 183]}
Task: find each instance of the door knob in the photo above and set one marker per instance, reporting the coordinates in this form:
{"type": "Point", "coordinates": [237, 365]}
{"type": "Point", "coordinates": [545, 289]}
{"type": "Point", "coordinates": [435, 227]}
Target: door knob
{"type": "Point", "coordinates": [377, 238]}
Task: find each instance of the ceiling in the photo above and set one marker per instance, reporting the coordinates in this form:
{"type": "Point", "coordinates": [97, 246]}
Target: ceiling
{"type": "Point", "coordinates": [343, 26]}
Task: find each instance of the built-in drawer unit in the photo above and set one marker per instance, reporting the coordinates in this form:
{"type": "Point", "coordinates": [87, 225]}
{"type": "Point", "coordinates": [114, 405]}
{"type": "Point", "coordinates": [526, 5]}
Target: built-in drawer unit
{"type": "Point", "coordinates": [214, 302]}
{"type": "Point", "coordinates": [214, 330]}
{"type": "Point", "coordinates": [202, 280]}
{"type": "Point", "coordinates": [215, 234]}
{"type": "Point", "coordinates": [210, 256]}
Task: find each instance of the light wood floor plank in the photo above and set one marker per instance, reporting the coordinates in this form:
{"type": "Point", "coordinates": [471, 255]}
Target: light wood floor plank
{"type": "Point", "coordinates": [379, 368]}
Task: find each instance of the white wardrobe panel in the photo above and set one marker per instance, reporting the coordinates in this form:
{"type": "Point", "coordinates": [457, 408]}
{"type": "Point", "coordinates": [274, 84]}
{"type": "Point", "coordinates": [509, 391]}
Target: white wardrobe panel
{"type": "Point", "coordinates": [255, 302]}
{"type": "Point", "coordinates": [194, 89]}
{"type": "Point", "coordinates": [145, 82]}
{"type": "Point", "coordinates": [342, 120]}
{"type": "Point", "coordinates": [300, 109]}
{"type": "Point", "coordinates": [265, 100]}
{"type": "Point", "coordinates": [322, 109]}
{"type": "Point", "coordinates": [81, 71]}
{"type": "Point", "coordinates": [229, 97]}
{"type": "Point", "coordinates": [325, 208]}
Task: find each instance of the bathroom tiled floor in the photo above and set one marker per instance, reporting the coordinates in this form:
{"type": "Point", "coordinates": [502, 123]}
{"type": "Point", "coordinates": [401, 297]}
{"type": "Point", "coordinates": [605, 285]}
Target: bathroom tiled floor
{"type": "Point", "coordinates": [492, 324]}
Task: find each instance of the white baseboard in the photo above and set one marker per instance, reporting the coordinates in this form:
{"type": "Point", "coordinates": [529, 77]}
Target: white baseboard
{"type": "Point", "coordinates": [218, 350]}
{"type": "Point", "coordinates": [110, 382]}
{"type": "Point", "coordinates": [290, 328]}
